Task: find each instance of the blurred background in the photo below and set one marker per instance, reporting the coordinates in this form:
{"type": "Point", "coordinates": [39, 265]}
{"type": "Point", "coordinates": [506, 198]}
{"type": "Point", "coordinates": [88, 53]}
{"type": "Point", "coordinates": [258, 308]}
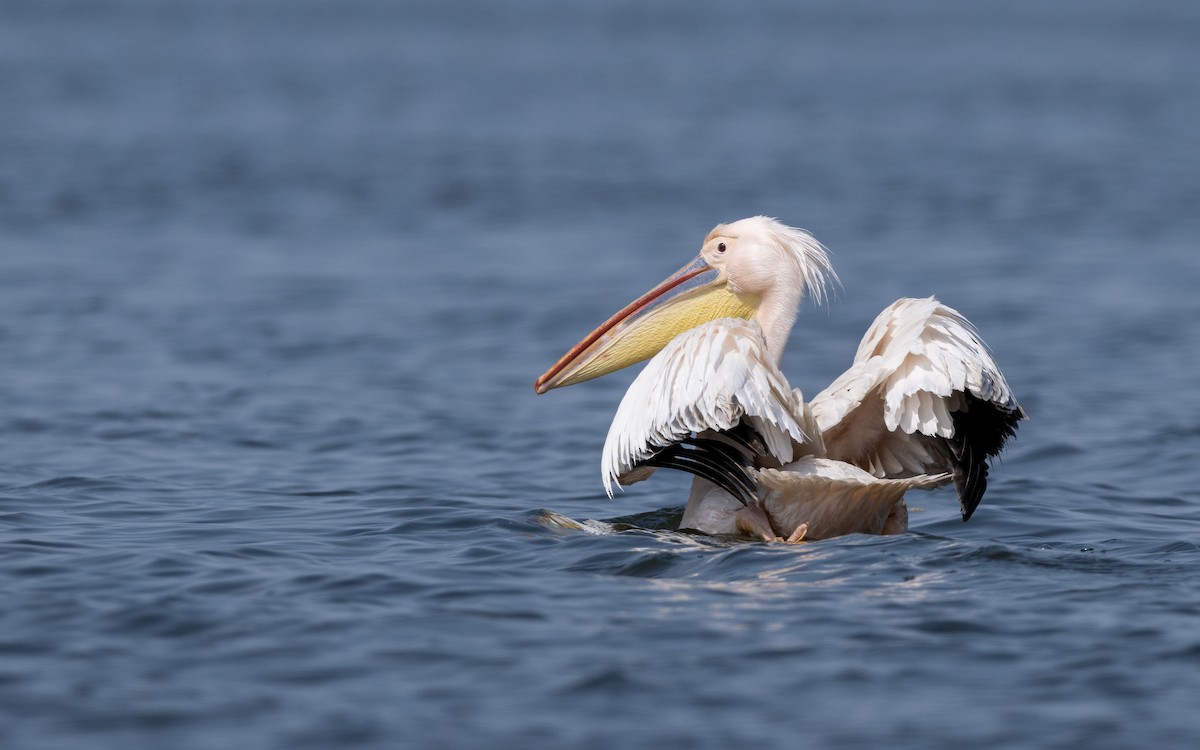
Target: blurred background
{"type": "Point", "coordinates": [276, 278]}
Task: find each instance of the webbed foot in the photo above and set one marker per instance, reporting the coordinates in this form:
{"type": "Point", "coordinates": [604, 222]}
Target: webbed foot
{"type": "Point", "coordinates": [798, 535]}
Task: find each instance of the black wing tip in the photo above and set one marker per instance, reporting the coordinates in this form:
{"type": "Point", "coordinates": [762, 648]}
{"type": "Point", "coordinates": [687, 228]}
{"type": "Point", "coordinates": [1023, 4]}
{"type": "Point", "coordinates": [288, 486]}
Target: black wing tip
{"type": "Point", "coordinates": [687, 461]}
{"type": "Point", "coordinates": [724, 462]}
{"type": "Point", "coordinates": [981, 430]}
{"type": "Point", "coordinates": [971, 484]}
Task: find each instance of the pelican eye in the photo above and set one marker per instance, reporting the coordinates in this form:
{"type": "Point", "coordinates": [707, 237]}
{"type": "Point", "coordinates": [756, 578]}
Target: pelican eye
{"type": "Point", "coordinates": [721, 247]}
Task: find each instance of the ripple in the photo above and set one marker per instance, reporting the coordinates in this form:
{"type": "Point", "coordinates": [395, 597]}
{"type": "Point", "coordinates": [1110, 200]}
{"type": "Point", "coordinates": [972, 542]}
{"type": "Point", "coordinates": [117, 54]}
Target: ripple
{"type": "Point", "coordinates": [273, 460]}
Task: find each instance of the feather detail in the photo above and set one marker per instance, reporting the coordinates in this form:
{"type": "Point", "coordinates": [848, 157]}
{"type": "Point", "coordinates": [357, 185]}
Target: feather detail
{"type": "Point", "coordinates": [707, 379]}
{"type": "Point", "coordinates": [923, 396]}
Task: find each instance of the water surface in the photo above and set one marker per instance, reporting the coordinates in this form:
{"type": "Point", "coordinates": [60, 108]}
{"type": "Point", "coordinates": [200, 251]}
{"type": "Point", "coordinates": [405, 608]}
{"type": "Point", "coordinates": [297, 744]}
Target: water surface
{"type": "Point", "coordinates": [276, 280]}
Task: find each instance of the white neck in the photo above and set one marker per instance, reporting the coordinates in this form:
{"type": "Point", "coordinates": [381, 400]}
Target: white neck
{"type": "Point", "coordinates": [776, 315]}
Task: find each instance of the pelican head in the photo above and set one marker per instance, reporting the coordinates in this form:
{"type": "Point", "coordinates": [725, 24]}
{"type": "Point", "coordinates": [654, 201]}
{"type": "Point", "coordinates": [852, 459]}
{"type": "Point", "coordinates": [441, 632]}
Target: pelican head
{"type": "Point", "coordinates": [753, 268]}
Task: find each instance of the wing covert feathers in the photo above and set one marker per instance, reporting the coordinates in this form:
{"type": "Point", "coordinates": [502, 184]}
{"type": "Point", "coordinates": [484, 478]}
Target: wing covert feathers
{"type": "Point", "coordinates": [707, 380]}
{"type": "Point", "coordinates": [923, 395]}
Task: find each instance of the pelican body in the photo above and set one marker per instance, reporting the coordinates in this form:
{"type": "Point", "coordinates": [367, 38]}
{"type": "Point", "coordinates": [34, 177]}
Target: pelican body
{"type": "Point", "coordinates": [923, 403]}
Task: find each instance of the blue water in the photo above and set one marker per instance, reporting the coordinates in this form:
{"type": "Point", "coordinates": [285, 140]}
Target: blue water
{"type": "Point", "coordinates": [276, 279]}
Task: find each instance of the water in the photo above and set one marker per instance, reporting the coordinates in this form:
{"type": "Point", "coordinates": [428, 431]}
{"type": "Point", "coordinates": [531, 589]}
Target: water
{"type": "Point", "coordinates": [276, 279]}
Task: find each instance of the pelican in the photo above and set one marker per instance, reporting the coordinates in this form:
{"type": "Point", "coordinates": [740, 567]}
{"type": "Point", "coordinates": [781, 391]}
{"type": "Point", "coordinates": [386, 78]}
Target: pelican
{"type": "Point", "coordinates": [922, 405]}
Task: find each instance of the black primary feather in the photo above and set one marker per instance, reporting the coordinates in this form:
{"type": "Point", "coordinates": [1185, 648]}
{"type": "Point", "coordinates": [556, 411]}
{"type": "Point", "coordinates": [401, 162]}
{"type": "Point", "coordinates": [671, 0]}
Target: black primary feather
{"type": "Point", "coordinates": [723, 459]}
{"type": "Point", "coordinates": [980, 431]}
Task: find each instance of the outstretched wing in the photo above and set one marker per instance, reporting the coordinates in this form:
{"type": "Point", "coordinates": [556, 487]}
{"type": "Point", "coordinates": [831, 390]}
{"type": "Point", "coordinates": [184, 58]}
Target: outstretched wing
{"type": "Point", "coordinates": [923, 396]}
{"type": "Point", "coordinates": [709, 403]}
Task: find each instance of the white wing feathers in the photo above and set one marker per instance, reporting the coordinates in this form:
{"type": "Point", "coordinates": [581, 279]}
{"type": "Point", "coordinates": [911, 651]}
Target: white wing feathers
{"type": "Point", "coordinates": [923, 397]}
{"type": "Point", "coordinates": [708, 378]}
{"type": "Point", "coordinates": [914, 370]}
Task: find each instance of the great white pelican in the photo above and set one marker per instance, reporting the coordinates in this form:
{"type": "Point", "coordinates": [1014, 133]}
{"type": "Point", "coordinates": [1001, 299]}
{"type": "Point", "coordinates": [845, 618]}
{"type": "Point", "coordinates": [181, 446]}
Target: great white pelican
{"type": "Point", "coordinates": [923, 402]}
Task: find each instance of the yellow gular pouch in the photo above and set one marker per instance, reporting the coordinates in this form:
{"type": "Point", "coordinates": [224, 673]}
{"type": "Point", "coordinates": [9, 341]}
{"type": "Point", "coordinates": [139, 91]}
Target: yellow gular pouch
{"type": "Point", "coordinates": [646, 333]}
